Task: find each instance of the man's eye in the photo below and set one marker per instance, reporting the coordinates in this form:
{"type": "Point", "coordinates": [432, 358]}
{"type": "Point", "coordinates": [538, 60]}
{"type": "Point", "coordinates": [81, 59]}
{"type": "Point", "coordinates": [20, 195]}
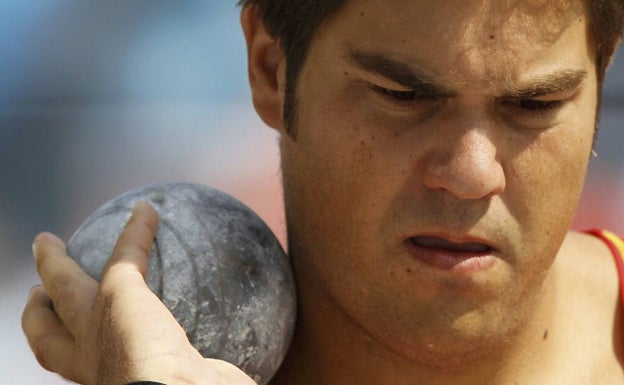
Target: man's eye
{"type": "Point", "coordinates": [539, 105]}
{"type": "Point", "coordinates": [403, 96]}
{"type": "Point", "coordinates": [533, 112]}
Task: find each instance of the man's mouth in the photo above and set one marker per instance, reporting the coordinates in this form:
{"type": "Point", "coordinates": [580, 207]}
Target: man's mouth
{"type": "Point", "coordinates": [441, 243]}
{"type": "Point", "coordinates": [463, 258]}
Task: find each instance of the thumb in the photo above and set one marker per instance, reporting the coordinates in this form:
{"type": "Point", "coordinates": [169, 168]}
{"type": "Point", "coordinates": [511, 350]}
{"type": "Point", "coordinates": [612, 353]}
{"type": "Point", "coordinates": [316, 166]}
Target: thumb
{"type": "Point", "coordinates": [133, 247]}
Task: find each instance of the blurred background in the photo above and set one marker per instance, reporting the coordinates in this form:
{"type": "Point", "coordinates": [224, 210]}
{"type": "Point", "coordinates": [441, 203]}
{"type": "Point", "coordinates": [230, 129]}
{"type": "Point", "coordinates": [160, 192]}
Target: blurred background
{"type": "Point", "coordinates": [100, 97]}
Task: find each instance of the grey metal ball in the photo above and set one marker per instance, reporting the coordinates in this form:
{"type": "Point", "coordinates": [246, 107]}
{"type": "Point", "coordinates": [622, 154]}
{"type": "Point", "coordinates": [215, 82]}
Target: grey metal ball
{"type": "Point", "coordinates": [215, 265]}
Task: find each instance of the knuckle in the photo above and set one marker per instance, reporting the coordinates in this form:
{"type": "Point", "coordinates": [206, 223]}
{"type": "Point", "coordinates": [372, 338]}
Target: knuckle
{"type": "Point", "coordinates": [114, 287]}
{"type": "Point", "coordinates": [117, 275]}
{"type": "Point", "coordinates": [40, 349]}
{"type": "Point", "coordinates": [131, 246]}
{"type": "Point", "coordinates": [60, 289]}
{"type": "Point", "coordinates": [27, 320]}
{"type": "Point", "coordinates": [40, 261]}
{"type": "Point", "coordinates": [113, 290]}
{"type": "Point", "coordinates": [132, 250]}
{"type": "Point", "coordinates": [106, 292]}
{"type": "Point", "coordinates": [63, 363]}
{"type": "Point", "coordinates": [141, 223]}
{"type": "Point", "coordinates": [64, 299]}
{"type": "Point", "coordinates": [40, 357]}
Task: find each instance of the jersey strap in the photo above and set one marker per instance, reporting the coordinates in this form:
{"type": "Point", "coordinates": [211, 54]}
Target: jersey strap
{"type": "Point", "coordinates": [616, 245]}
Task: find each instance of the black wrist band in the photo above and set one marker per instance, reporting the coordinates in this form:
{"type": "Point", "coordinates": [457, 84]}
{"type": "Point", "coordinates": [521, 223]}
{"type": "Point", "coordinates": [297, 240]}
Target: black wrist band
{"type": "Point", "coordinates": [146, 383]}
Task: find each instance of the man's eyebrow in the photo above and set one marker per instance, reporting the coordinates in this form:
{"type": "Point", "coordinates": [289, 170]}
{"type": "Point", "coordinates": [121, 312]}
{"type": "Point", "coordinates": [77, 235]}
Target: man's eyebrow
{"type": "Point", "coordinates": [550, 83]}
{"type": "Point", "coordinates": [396, 71]}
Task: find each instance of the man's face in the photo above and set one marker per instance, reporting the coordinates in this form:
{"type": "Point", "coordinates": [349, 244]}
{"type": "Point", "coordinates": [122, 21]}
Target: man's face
{"type": "Point", "coordinates": [440, 153]}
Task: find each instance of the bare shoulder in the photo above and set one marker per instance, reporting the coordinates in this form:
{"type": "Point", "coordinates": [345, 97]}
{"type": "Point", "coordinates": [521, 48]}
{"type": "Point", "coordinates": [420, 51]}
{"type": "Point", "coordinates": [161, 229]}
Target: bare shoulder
{"type": "Point", "coordinates": [587, 262]}
{"type": "Point", "coordinates": [589, 285]}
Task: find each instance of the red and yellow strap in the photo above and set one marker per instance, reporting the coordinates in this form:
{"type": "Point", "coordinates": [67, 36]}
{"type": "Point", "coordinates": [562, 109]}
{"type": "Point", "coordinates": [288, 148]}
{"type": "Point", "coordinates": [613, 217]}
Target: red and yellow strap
{"type": "Point", "coordinates": [616, 245]}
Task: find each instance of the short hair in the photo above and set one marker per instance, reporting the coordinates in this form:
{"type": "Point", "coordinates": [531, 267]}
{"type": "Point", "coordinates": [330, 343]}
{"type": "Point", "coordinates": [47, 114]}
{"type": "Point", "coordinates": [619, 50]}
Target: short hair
{"type": "Point", "coordinates": [294, 22]}
{"type": "Point", "coordinates": [605, 17]}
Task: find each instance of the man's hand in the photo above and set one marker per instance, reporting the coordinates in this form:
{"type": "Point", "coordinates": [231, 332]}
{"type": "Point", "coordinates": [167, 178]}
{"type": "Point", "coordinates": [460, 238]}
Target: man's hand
{"type": "Point", "coordinates": [115, 331]}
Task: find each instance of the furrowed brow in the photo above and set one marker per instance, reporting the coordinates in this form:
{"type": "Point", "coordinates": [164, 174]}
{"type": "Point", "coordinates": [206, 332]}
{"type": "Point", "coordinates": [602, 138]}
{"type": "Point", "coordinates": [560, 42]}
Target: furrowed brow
{"type": "Point", "coordinates": [397, 72]}
{"type": "Point", "coordinates": [547, 84]}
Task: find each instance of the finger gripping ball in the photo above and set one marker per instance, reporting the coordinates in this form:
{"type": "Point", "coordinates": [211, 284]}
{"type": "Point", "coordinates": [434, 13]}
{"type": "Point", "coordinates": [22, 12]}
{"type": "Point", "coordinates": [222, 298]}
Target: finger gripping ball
{"type": "Point", "coordinates": [215, 265]}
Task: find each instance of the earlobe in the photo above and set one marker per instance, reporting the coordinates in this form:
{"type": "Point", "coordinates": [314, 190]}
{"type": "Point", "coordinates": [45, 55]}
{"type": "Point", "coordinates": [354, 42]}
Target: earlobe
{"type": "Point", "coordinates": [266, 66]}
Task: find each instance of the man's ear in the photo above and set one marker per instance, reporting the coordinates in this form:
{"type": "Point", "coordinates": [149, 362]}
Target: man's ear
{"type": "Point", "coordinates": [266, 66]}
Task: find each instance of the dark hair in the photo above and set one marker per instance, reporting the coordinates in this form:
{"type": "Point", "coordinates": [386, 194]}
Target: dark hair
{"type": "Point", "coordinates": [606, 17]}
{"type": "Point", "coordinates": [293, 23]}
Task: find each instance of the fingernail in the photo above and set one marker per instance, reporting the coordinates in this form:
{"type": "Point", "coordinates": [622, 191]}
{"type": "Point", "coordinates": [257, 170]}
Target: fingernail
{"type": "Point", "coordinates": [34, 250]}
{"type": "Point", "coordinates": [32, 290]}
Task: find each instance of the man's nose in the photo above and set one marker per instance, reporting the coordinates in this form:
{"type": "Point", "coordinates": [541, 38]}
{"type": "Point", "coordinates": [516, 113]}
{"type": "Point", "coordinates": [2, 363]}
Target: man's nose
{"type": "Point", "coordinates": [466, 165]}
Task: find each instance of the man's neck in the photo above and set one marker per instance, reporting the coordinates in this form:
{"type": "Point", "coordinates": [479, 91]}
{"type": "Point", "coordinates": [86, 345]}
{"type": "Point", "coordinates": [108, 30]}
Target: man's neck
{"type": "Point", "coordinates": [329, 348]}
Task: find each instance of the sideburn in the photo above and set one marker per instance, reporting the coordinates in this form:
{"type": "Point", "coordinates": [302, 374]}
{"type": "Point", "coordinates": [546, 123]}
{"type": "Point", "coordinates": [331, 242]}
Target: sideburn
{"type": "Point", "coordinates": [289, 115]}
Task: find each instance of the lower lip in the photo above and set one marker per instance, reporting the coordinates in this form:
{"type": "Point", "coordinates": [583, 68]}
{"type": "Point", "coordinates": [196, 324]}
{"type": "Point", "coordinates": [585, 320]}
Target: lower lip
{"type": "Point", "coordinates": [457, 262]}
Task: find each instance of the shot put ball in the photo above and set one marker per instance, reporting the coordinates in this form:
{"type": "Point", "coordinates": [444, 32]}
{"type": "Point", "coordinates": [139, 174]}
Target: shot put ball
{"type": "Point", "coordinates": [215, 265]}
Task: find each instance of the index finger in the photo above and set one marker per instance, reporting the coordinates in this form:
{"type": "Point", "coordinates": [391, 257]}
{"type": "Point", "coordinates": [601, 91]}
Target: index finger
{"type": "Point", "coordinates": [69, 287]}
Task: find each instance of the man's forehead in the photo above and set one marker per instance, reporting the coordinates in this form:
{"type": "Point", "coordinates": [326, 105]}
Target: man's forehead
{"type": "Point", "coordinates": [553, 15]}
{"type": "Point", "coordinates": [548, 18]}
{"type": "Point", "coordinates": [462, 34]}
{"type": "Point", "coordinates": [476, 25]}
